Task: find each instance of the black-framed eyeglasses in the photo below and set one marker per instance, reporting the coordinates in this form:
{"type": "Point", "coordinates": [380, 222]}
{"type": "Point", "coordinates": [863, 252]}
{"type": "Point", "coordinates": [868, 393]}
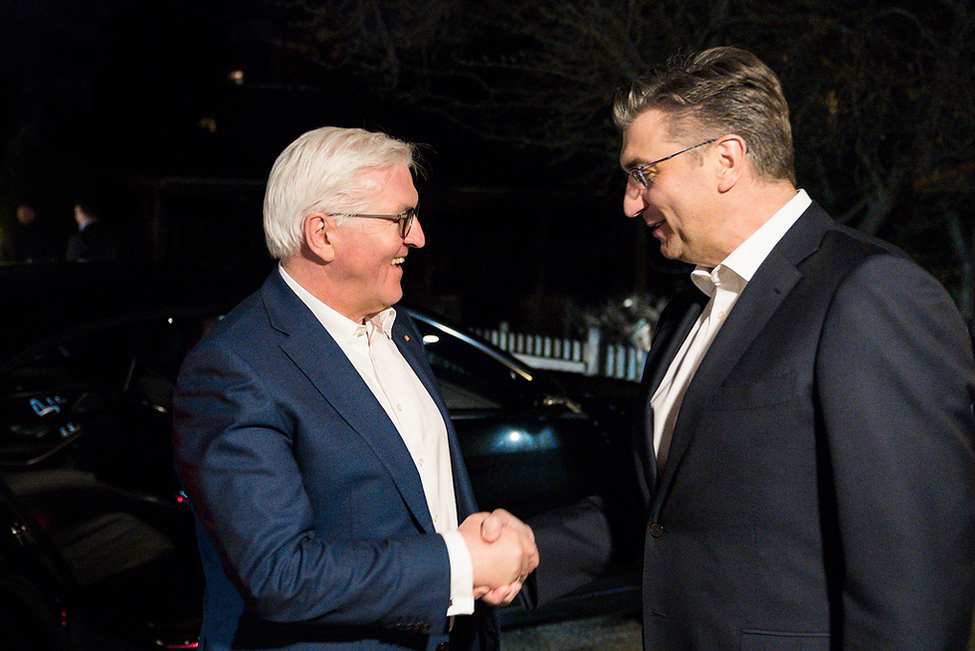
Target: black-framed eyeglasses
{"type": "Point", "coordinates": [405, 219]}
{"type": "Point", "coordinates": [637, 173]}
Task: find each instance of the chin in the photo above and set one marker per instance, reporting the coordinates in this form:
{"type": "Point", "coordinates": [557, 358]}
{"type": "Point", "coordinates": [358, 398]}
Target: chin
{"type": "Point", "coordinates": [393, 298]}
{"type": "Point", "coordinates": [669, 254]}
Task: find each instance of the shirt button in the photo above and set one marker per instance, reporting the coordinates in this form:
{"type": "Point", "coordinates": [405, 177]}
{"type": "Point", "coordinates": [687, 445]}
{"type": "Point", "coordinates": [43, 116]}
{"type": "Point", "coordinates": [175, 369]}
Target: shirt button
{"type": "Point", "coordinates": [399, 407]}
{"type": "Point", "coordinates": [436, 518]}
{"type": "Point", "coordinates": [419, 462]}
{"type": "Point", "coordinates": [721, 315]}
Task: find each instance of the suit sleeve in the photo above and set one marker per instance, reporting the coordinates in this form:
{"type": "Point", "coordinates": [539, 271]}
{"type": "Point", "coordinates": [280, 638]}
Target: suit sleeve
{"type": "Point", "coordinates": [574, 545]}
{"type": "Point", "coordinates": [234, 455]}
{"type": "Point", "coordinates": [894, 386]}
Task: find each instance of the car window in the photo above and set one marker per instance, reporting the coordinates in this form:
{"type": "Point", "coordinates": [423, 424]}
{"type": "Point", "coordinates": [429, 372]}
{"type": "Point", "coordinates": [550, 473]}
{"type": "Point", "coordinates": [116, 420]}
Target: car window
{"type": "Point", "coordinates": [99, 396]}
{"type": "Point", "coordinates": [470, 378]}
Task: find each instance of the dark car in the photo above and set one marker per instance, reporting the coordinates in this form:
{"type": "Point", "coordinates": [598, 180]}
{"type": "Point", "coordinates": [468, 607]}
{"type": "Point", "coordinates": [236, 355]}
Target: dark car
{"type": "Point", "coordinates": [97, 549]}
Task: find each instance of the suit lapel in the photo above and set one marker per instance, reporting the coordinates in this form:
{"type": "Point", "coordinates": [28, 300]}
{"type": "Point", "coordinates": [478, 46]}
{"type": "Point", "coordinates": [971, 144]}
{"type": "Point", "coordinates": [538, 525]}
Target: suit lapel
{"type": "Point", "coordinates": [763, 295]}
{"type": "Point", "coordinates": [322, 361]}
{"type": "Point", "coordinates": [670, 335]}
{"type": "Point", "coordinates": [675, 324]}
{"type": "Point", "coordinates": [410, 344]}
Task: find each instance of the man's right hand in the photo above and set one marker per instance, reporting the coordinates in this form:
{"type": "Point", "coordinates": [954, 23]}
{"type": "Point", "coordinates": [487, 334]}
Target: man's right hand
{"type": "Point", "coordinates": [503, 554]}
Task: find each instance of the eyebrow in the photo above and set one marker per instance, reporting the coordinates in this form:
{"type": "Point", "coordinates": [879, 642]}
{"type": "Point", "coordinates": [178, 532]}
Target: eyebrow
{"type": "Point", "coordinates": [630, 164]}
{"type": "Point", "coordinates": [634, 160]}
{"type": "Point", "coordinates": [404, 207]}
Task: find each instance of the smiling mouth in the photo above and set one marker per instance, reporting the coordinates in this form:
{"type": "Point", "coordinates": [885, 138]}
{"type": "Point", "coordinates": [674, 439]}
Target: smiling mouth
{"type": "Point", "coordinates": [399, 261]}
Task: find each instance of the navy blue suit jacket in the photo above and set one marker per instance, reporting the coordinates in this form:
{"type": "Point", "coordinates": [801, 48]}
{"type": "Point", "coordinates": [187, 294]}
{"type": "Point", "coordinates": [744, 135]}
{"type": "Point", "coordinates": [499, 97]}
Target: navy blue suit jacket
{"type": "Point", "coordinates": [315, 532]}
{"type": "Point", "coordinates": [820, 487]}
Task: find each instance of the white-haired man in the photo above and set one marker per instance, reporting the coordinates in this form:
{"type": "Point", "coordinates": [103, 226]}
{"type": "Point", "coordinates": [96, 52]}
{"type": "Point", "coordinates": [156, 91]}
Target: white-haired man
{"type": "Point", "coordinates": [334, 507]}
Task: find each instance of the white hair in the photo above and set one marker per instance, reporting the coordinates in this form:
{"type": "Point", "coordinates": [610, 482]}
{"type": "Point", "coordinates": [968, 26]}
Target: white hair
{"type": "Point", "coordinates": [321, 172]}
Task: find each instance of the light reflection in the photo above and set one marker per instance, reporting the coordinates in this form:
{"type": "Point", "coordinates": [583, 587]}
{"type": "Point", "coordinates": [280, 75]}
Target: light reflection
{"type": "Point", "coordinates": [518, 440]}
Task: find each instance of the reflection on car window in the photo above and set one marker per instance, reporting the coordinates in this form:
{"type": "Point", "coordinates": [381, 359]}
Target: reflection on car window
{"type": "Point", "coordinates": [99, 396]}
{"type": "Point", "coordinates": [469, 377]}
{"type": "Point", "coordinates": [457, 397]}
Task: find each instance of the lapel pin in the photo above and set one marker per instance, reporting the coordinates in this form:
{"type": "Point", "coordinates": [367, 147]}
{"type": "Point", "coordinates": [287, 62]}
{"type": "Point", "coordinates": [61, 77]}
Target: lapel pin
{"type": "Point", "coordinates": [406, 337]}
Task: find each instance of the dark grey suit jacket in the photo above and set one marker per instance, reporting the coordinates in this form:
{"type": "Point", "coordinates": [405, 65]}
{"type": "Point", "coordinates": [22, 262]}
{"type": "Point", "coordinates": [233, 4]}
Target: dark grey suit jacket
{"type": "Point", "coordinates": [315, 532]}
{"type": "Point", "coordinates": [820, 487]}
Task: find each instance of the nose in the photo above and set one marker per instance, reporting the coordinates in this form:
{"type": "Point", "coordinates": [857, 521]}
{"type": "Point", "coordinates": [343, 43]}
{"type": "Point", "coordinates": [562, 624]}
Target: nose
{"type": "Point", "coordinates": [415, 238]}
{"type": "Point", "coordinates": [634, 200]}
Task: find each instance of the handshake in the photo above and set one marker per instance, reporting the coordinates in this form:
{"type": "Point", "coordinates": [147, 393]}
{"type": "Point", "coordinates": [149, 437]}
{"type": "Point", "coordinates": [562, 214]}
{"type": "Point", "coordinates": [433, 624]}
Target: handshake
{"type": "Point", "coordinates": [503, 554]}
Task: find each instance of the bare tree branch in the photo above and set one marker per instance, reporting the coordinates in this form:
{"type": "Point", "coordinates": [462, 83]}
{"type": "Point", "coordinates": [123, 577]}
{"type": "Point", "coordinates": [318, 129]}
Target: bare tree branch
{"type": "Point", "coordinates": [882, 93]}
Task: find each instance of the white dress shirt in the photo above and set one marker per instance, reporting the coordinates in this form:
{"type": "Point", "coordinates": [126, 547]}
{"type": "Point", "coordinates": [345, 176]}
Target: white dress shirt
{"type": "Point", "coordinates": [723, 284]}
{"type": "Point", "coordinates": [410, 407]}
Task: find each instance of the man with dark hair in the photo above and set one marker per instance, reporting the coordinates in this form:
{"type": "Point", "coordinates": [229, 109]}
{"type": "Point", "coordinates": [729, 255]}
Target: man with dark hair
{"type": "Point", "coordinates": [94, 239]}
{"type": "Point", "coordinates": [806, 440]}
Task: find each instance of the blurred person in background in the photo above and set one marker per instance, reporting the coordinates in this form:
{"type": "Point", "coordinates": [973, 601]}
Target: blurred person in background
{"type": "Point", "coordinates": [95, 239]}
{"type": "Point", "coordinates": [29, 238]}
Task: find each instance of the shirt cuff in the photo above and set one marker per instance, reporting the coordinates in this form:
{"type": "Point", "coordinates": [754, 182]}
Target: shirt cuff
{"type": "Point", "coordinates": [461, 574]}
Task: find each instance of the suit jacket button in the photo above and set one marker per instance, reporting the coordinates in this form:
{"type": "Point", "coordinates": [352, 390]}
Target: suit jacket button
{"type": "Point", "coordinates": [656, 530]}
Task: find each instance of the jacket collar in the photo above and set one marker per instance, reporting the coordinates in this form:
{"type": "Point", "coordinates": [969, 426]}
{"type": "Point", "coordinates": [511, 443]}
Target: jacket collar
{"type": "Point", "coordinates": [321, 360]}
{"type": "Point", "coordinates": [773, 281]}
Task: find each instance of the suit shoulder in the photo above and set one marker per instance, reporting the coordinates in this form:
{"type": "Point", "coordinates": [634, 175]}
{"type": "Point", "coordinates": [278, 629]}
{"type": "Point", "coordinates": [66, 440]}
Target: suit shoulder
{"type": "Point", "coordinates": [851, 242]}
{"type": "Point", "coordinates": [846, 252]}
{"type": "Point", "coordinates": [238, 330]}
{"type": "Point", "coordinates": [240, 316]}
{"type": "Point", "coordinates": [866, 266]}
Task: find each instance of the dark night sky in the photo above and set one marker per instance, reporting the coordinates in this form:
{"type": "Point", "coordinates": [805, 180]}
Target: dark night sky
{"type": "Point", "coordinates": [126, 93]}
{"type": "Point", "coordinates": [145, 86]}
{"type": "Point", "coordinates": [114, 89]}
{"type": "Point", "coordinates": [139, 85]}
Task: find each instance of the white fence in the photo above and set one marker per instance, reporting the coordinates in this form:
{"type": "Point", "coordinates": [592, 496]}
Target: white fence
{"type": "Point", "coordinates": [590, 357]}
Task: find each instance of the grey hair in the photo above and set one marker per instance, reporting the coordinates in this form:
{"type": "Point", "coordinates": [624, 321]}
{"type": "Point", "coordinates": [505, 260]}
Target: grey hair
{"type": "Point", "coordinates": [718, 91]}
{"type": "Point", "coordinates": [321, 172]}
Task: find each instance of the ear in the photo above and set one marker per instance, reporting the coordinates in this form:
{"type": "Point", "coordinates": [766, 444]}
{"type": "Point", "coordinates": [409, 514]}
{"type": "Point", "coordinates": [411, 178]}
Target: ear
{"type": "Point", "coordinates": [319, 232]}
{"type": "Point", "coordinates": [732, 160]}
